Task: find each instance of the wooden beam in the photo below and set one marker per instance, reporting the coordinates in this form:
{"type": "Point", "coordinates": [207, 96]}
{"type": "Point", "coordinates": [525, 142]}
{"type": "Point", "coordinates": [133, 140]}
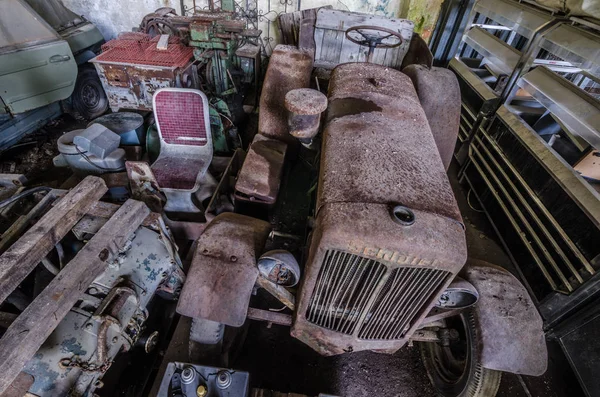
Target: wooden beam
{"type": "Point", "coordinates": [19, 226]}
{"type": "Point", "coordinates": [24, 255]}
{"type": "Point", "coordinates": [20, 386]}
{"type": "Point", "coordinates": [29, 331]}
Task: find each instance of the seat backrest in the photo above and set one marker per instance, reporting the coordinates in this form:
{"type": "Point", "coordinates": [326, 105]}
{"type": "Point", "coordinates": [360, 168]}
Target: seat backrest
{"type": "Point", "coordinates": [186, 148]}
{"type": "Point", "coordinates": [182, 119]}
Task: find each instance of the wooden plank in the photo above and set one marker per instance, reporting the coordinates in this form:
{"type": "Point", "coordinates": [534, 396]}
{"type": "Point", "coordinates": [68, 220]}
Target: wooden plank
{"type": "Point", "coordinates": [286, 27]}
{"type": "Point", "coordinates": [350, 51]}
{"type": "Point", "coordinates": [336, 20]}
{"type": "Point", "coordinates": [19, 386]}
{"type": "Point", "coordinates": [19, 227]}
{"type": "Point", "coordinates": [29, 331]}
{"type": "Point", "coordinates": [163, 42]}
{"type": "Point", "coordinates": [332, 46]}
{"type": "Point", "coordinates": [24, 255]}
{"type": "Point", "coordinates": [318, 42]}
{"type": "Point", "coordinates": [290, 23]}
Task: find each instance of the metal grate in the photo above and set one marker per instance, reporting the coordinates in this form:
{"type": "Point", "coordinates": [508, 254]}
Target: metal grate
{"type": "Point", "coordinates": [344, 287]}
{"type": "Point", "coordinates": [406, 292]}
{"type": "Point", "coordinates": [181, 119]}
{"type": "Point", "coordinates": [140, 49]}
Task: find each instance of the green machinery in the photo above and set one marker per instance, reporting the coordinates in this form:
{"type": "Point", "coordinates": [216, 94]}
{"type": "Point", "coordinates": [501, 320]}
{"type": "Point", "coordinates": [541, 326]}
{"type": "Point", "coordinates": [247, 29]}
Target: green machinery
{"type": "Point", "coordinates": [228, 53]}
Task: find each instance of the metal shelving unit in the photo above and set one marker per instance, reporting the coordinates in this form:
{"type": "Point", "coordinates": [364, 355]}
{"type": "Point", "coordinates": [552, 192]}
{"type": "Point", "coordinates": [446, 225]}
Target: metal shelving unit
{"type": "Point", "coordinates": [489, 54]}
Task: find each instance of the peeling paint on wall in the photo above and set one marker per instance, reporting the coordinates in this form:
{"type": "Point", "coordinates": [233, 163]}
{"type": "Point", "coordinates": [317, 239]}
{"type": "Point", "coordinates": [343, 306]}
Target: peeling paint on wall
{"type": "Point", "coordinates": [115, 16]}
{"type": "Point", "coordinates": [425, 14]}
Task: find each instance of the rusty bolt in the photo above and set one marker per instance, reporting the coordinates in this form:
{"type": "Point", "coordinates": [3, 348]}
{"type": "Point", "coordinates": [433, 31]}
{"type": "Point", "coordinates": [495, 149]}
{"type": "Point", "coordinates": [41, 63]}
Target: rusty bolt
{"type": "Point", "coordinates": [304, 106]}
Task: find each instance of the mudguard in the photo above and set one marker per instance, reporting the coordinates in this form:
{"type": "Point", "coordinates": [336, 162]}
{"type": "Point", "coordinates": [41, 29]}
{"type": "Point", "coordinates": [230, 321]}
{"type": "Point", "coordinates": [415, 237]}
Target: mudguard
{"type": "Point", "coordinates": [439, 95]}
{"type": "Point", "coordinates": [509, 327]}
{"type": "Point", "coordinates": [223, 271]}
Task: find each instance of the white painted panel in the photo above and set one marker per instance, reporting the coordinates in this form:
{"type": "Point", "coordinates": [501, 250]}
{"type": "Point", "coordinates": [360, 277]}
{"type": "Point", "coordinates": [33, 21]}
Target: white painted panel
{"type": "Point", "coordinates": [115, 16]}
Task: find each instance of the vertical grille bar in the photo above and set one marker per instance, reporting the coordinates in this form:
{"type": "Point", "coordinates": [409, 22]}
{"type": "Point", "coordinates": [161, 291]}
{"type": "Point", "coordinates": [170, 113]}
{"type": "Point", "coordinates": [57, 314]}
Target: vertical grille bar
{"type": "Point", "coordinates": [347, 283]}
{"type": "Point", "coordinates": [344, 286]}
{"type": "Point", "coordinates": [401, 300]}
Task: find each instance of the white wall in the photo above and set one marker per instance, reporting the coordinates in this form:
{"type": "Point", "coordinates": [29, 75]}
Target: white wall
{"type": "Point", "coordinates": [268, 10]}
{"type": "Point", "coordinates": [115, 16]}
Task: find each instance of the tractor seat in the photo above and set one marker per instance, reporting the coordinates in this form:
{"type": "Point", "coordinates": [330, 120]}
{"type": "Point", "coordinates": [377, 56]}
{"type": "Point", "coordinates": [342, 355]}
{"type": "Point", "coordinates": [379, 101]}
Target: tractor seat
{"type": "Point", "coordinates": [186, 150]}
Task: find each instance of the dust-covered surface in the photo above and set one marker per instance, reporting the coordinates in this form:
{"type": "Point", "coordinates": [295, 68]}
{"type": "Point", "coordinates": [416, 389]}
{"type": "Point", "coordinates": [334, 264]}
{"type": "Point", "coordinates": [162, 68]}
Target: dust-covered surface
{"type": "Point", "coordinates": [279, 362]}
{"type": "Point", "coordinates": [33, 156]}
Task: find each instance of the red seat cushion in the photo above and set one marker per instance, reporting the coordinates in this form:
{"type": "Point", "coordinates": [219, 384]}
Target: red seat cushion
{"type": "Point", "coordinates": [177, 172]}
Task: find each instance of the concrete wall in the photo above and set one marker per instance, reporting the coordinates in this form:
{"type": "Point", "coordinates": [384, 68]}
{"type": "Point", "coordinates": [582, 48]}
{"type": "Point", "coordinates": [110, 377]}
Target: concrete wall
{"type": "Point", "coordinates": [115, 16]}
{"type": "Point", "coordinates": [268, 10]}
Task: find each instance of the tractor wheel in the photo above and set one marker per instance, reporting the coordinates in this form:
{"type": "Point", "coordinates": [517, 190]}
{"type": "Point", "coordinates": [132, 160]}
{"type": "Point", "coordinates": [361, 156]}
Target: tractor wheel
{"type": "Point", "coordinates": [89, 100]}
{"type": "Point", "coordinates": [454, 370]}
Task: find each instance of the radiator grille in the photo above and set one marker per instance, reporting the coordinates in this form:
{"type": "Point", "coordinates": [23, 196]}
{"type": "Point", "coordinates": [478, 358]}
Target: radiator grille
{"type": "Point", "coordinates": [406, 292]}
{"type": "Point", "coordinates": [344, 287]}
{"type": "Point", "coordinates": [347, 283]}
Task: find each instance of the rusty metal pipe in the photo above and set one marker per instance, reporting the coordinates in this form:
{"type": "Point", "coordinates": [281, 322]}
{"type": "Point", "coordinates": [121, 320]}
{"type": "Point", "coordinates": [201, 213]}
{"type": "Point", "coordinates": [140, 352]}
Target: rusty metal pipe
{"type": "Point", "coordinates": [102, 352]}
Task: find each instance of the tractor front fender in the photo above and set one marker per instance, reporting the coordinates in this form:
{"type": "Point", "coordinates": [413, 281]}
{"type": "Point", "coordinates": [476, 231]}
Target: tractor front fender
{"type": "Point", "coordinates": [509, 327]}
{"type": "Point", "coordinates": [223, 272]}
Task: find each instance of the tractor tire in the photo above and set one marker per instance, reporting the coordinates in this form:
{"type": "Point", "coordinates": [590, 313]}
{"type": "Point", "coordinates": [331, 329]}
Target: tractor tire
{"type": "Point", "coordinates": [454, 370]}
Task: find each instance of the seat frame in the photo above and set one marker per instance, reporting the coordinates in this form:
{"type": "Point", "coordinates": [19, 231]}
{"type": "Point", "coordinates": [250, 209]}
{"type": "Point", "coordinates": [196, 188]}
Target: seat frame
{"type": "Point", "coordinates": [180, 200]}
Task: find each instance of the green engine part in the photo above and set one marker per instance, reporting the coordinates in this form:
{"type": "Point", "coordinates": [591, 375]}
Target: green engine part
{"type": "Point", "coordinates": [218, 131]}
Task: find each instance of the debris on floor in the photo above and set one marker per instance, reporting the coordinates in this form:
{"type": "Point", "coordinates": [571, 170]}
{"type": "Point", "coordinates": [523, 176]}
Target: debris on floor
{"type": "Point", "coordinates": [206, 214]}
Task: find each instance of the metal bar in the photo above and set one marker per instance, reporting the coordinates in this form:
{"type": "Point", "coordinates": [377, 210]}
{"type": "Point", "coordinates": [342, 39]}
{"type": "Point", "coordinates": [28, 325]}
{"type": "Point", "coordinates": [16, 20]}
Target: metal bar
{"type": "Point", "coordinates": [515, 225]}
{"type": "Point", "coordinates": [270, 317]}
{"type": "Point", "coordinates": [530, 210]}
{"type": "Point", "coordinates": [279, 292]}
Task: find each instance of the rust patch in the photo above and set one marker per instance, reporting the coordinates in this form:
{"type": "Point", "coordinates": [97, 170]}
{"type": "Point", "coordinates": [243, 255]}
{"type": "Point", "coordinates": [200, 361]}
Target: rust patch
{"type": "Point", "coordinates": [218, 288]}
{"type": "Point", "coordinates": [439, 94]}
{"type": "Point", "coordinates": [349, 106]}
{"type": "Point", "coordinates": [289, 68]}
{"type": "Point", "coordinates": [378, 154]}
{"type": "Point", "coordinates": [260, 176]}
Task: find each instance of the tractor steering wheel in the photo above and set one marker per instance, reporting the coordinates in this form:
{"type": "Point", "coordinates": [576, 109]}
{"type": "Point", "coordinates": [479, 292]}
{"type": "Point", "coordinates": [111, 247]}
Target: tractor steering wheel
{"type": "Point", "coordinates": [372, 39]}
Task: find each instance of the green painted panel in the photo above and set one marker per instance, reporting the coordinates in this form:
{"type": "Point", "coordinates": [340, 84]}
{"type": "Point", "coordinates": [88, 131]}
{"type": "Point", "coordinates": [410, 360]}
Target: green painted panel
{"type": "Point", "coordinates": [37, 76]}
